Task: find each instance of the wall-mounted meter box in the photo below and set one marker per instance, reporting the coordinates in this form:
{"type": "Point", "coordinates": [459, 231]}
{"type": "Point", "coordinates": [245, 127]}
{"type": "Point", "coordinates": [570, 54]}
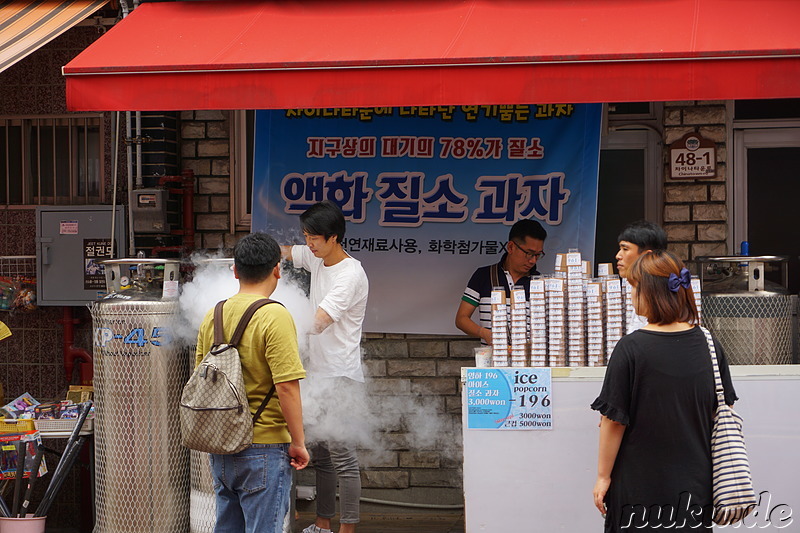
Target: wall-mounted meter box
{"type": "Point", "coordinates": [70, 243]}
{"type": "Point", "coordinates": [150, 211]}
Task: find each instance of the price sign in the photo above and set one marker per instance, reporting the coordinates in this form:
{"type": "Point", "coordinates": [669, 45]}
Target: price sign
{"type": "Point", "coordinates": [509, 398]}
{"type": "Point", "coordinates": [692, 157]}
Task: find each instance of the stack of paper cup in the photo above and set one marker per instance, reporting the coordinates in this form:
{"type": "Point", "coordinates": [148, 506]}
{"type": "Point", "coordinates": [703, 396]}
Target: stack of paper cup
{"type": "Point", "coordinates": [519, 327]}
{"type": "Point", "coordinates": [627, 302]}
{"type": "Point", "coordinates": [595, 349]}
{"type": "Point", "coordinates": [555, 288]}
{"type": "Point", "coordinates": [499, 327]}
{"type": "Point", "coordinates": [576, 337]}
{"type": "Point", "coordinates": [615, 311]}
{"type": "Point", "coordinates": [538, 322]}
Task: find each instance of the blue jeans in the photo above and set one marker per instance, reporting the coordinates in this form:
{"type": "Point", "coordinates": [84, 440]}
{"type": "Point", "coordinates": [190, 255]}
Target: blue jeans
{"type": "Point", "coordinates": [252, 489]}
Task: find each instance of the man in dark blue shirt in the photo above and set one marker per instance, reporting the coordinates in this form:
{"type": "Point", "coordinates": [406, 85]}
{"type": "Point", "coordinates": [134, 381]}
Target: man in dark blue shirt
{"type": "Point", "coordinates": [525, 247]}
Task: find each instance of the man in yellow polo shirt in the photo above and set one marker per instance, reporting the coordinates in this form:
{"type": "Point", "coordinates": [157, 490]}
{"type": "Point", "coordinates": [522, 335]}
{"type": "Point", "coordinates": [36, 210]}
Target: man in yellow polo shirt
{"type": "Point", "coordinates": [252, 486]}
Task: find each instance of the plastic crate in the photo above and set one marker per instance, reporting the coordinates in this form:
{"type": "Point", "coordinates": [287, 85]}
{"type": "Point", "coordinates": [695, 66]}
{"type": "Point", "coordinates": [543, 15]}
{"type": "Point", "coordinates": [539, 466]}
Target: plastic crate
{"type": "Point", "coordinates": [64, 424]}
{"type": "Point", "coordinates": [11, 425]}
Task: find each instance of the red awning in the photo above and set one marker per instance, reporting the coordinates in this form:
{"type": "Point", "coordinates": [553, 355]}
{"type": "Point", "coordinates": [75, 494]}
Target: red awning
{"type": "Point", "coordinates": [242, 54]}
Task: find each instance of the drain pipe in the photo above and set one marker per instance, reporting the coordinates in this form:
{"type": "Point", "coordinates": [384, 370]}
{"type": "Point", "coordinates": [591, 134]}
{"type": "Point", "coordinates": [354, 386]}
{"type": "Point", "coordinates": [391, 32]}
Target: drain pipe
{"type": "Point", "coordinates": [73, 354]}
{"type": "Point", "coordinates": [114, 176]}
{"type": "Point", "coordinates": [129, 152]}
{"type": "Point", "coordinates": [139, 180]}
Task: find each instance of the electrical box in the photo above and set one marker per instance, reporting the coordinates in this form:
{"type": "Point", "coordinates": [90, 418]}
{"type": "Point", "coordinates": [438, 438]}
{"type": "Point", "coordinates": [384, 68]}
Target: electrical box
{"type": "Point", "coordinates": [150, 211]}
{"type": "Point", "coordinates": [70, 243]}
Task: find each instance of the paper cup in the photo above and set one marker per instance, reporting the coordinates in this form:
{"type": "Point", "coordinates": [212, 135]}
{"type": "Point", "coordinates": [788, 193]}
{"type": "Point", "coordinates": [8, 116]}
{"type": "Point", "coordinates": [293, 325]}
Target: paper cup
{"type": "Point", "coordinates": [483, 356]}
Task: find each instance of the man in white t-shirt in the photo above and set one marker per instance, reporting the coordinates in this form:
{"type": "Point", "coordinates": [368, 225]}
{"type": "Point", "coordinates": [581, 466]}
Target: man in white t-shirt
{"type": "Point", "coordinates": [339, 290]}
{"type": "Point", "coordinates": [636, 239]}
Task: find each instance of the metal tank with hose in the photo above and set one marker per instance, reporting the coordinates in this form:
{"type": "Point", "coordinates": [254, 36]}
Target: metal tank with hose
{"type": "Point", "coordinates": [142, 471]}
{"type": "Point", "coordinates": [749, 315]}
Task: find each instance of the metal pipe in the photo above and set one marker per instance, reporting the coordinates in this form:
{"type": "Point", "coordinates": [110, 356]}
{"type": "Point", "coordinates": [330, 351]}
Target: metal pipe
{"type": "Point", "coordinates": [114, 176]}
{"type": "Point", "coordinates": [73, 354]}
{"type": "Point", "coordinates": [128, 128]}
{"type": "Point", "coordinates": [188, 211]}
{"type": "Point", "coordinates": [8, 163]}
{"type": "Point", "coordinates": [131, 246]}
{"type": "Point", "coordinates": [412, 504]}
{"type": "Point", "coordinates": [55, 166]}
{"type": "Point", "coordinates": [67, 460]}
{"type": "Point", "coordinates": [86, 160]}
{"type": "Point", "coordinates": [26, 499]}
{"type": "Point", "coordinates": [139, 180]}
{"type": "Point", "coordinates": [22, 449]}
{"type": "Point", "coordinates": [39, 161]}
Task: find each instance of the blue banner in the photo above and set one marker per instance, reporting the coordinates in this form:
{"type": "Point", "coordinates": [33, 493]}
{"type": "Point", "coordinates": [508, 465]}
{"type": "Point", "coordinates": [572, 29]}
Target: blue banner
{"type": "Point", "coordinates": [430, 192]}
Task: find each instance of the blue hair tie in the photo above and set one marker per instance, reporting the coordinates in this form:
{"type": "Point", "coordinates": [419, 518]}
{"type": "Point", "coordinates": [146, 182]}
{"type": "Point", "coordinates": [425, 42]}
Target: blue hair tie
{"type": "Point", "coordinates": [684, 280]}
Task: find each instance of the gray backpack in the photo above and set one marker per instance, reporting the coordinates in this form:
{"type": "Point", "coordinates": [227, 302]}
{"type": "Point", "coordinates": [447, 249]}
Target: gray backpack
{"type": "Point", "coordinates": [215, 413]}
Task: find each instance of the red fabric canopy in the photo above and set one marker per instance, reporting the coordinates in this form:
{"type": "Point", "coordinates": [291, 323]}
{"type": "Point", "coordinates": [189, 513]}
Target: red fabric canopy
{"type": "Point", "coordinates": [242, 54]}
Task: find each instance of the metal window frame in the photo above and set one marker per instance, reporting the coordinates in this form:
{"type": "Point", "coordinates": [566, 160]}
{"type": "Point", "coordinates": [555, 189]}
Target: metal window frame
{"type": "Point", "coordinates": [241, 218]}
{"type": "Point", "coordinates": [32, 125]}
{"type": "Point", "coordinates": [631, 132]}
{"type": "Point", "coordinates": [778, 133]}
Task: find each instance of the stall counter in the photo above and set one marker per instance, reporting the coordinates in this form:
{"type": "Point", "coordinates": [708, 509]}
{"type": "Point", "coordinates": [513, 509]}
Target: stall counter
{"type": "Point", "coordinates": [542, 480]}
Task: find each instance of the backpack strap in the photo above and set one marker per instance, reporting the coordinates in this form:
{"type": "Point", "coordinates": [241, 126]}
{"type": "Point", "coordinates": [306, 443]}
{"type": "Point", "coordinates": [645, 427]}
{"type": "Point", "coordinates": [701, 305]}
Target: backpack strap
{"type": "Point", "coordinates": [264, 403]}
{"type": "Point", "coordinates": [219, 333]}
{"type": "Point", "coordinates": [248, 314]}
{"type": "Point", "coordinates": [237, 336]}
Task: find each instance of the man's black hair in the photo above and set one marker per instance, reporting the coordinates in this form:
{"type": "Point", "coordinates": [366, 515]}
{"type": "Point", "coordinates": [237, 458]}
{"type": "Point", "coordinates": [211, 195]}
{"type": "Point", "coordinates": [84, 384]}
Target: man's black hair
{"type": "Point", "coordinates": [255, 255]}
{"type": "Point", "coordinates": [527, 228]}
{"type": "Point", "coordinates": [644, 234]}
{"type": "Point", "coordinates": [324, 218]}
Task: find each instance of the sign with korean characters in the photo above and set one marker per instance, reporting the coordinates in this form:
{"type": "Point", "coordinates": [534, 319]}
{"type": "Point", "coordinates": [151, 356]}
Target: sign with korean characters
{"type": "Point", "coordinates": [429, 193]}
{"type": "Point", "coordinates": [692, 157]}
{"type": "Point", "coordinates": [95, 251]}
{"type": "Point", "coordinates": [509, 398]}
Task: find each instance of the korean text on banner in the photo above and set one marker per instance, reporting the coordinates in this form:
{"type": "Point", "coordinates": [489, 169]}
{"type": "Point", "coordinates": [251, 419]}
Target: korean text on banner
{"type": "Point", "coordinates": [430, 193]}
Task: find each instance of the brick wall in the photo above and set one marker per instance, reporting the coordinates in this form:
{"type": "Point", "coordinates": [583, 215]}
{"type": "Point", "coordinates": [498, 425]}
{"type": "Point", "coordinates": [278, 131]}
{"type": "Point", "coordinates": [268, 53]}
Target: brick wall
{"type": "Point", "coordinates": [695, 211]}
{"type": "Point", "coordinates": [205, 149]}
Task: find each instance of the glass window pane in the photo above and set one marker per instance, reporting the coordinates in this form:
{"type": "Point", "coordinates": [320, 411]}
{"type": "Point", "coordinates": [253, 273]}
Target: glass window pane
{"type": "Point", "coordinates": [15, 176]}
{"type": "Point", "coordinates": [43, 164]}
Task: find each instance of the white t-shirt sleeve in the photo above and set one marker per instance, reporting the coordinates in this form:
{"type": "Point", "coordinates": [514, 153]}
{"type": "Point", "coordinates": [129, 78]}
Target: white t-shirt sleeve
{"type": "Point", "coordinates": [301, 255]}
{"type": "Point", "coordinates": [346, 289]}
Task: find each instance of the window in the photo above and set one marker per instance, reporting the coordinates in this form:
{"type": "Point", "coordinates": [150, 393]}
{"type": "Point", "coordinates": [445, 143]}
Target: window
{"type": "Point", "coordinates": [242, 165]}
{"type": "Point", "coordinates": [52, 160]}
{"type": "Point", "coordinates": [764, 191]}
{"type": "Point", "coordinates": [630, 174]}
{"type": "Point", "coordinates": [629, 186]}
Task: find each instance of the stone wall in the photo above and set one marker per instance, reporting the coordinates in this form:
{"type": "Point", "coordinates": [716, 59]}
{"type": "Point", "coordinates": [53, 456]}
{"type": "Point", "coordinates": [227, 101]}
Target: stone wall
{"type": "Point", "coordinates": [413, 382]}
{"type": "Point", "coordinates": [695, 211]}
{"type": "Point", "coordinates": [205, 149]}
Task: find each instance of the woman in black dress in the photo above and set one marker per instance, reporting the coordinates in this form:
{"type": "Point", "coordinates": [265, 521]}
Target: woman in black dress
{"type": "Point", "coordinates": [657, 405]}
